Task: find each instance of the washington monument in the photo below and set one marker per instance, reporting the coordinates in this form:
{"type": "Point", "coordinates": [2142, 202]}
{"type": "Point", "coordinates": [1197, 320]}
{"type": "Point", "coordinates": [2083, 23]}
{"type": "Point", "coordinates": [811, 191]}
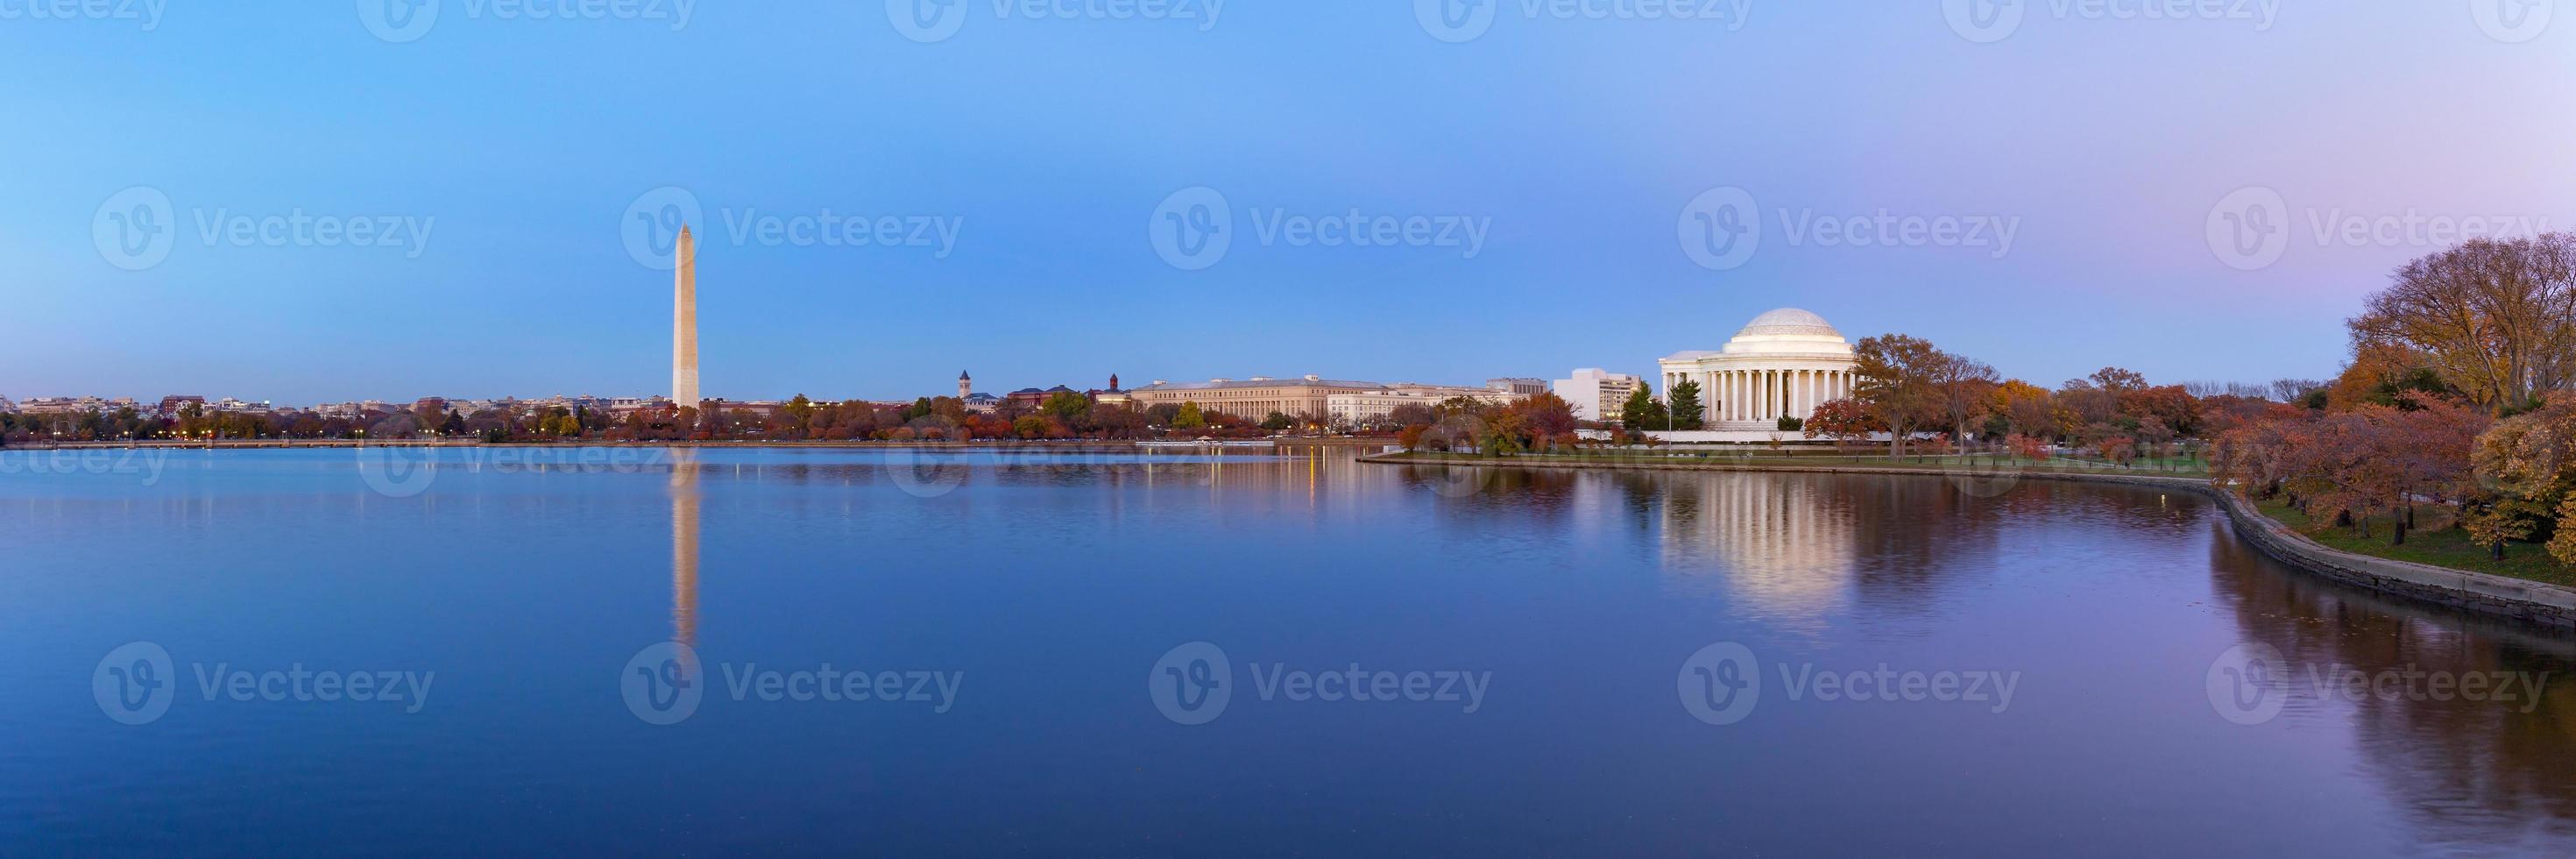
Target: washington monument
{"type": "Point", "coordinates": [684, 322]}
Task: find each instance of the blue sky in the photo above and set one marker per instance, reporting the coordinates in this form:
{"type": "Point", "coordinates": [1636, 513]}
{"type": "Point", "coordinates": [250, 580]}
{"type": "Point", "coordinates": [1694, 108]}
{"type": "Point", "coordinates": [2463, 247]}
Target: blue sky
{"type": "Point", "coordinates": [1570, 141]}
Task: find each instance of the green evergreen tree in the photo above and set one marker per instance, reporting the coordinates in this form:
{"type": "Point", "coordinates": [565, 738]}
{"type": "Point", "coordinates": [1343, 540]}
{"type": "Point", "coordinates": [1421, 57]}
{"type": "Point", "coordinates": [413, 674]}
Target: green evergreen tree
{"type": "Point", "coordinates": [1685, 405]}
{"type": "Point", "coordinates": [1189, 417]}
{"type": "Point", "coordinates": [1643, 411]}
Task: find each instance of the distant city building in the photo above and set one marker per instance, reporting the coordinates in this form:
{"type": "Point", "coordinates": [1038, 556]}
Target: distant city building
{"type": "Point", "coordinates": [1784, 362]}
{"type": "Point", "coordinates": [1254, 398]}
{"type": "Point", "coordinates": [170, 405]}
{"type": "Point", "coordinates": [1363, 406]}
{"type": "Point", "coordinates": [1033, 396]}
{"type": "Point", "coordinates": [1112, 394]}
{"type": "Point", "coordinates": [1518, 386]}
{"type": "Point", "coordinates": [982, 402]}
{"type": "Point", "coordinates": [1597, 394]}
{"type": "Point", "coordinates": [965, 386]}
{"type": "Point", "coordinates": [430, 406]}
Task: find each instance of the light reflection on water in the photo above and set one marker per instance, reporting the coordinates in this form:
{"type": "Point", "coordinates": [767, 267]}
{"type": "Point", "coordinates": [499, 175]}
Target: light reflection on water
{"type": "Point", "coordinates": [1053, 581]}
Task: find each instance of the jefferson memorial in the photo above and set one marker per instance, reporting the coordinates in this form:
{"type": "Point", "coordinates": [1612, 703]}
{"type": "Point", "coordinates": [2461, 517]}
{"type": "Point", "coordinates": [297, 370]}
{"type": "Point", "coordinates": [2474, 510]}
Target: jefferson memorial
{"type": "Point", "coordinates": [1784, 362]}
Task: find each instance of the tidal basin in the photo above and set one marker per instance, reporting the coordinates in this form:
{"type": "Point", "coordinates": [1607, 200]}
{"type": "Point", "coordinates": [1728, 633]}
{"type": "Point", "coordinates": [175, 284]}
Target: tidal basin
{"type": "Point", "coordinates": [652, 651]}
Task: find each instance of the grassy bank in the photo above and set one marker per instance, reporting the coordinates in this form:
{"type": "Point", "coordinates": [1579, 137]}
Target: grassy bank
{"type": "Point", "coordinates": [2434, 541]}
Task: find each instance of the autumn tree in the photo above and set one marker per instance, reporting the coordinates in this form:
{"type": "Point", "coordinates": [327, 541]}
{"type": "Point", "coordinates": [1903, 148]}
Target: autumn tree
{"type": "Point", "coordinates": [1963, 389]}
{"type": "Point", "coordinates": [1843, 419]}
{"type": "Point", "coordinates": [1898, 384]}
{"type": "Point", "coordinates": [2496, 319]}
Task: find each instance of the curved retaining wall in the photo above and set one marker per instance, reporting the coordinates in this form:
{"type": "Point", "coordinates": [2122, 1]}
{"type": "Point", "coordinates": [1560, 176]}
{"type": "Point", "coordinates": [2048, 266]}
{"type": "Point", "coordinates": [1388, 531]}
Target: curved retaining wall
{"type": "Point", "coordinates": [2537, 602]}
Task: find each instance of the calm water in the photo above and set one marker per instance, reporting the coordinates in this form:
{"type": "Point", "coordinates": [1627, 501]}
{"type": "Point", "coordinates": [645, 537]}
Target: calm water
{"type": "Point", "coordinates": [2069, 663]}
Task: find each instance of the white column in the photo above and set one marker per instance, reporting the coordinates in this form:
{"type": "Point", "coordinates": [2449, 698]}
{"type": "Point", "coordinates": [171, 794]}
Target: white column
{"type": "Point", "coordinates": [1707, 384]}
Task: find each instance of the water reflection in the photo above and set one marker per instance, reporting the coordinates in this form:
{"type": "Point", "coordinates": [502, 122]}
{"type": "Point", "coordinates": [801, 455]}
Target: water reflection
{"type": "Point", "coordinates": [684, 547]}
{"type": "Point", "coordinates": [2467, 772]}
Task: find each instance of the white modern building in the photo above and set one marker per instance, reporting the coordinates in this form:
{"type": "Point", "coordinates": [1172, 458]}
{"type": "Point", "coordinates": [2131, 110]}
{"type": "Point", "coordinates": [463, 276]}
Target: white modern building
{"type": "Point", "coordinates": [1784, 362]}
{"type": "Point", "coordinates": [1359, 407]}
{"type": "Point", "coordinates": [1597, 394]}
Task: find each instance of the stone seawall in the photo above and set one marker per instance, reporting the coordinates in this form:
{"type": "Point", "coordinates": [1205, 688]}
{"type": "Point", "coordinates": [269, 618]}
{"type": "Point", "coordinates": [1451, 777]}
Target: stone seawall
{"type": "Point", "coordinates": [2536, 602]}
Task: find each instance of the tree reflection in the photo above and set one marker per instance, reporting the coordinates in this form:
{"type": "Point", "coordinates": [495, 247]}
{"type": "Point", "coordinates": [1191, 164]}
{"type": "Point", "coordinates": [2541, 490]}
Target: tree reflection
{"type": "Point", "coordinates": [2478, 772]}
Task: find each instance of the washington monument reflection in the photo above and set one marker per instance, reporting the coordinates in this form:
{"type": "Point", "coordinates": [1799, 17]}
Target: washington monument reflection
{"type": "Point", "coordinates": [684, 547]}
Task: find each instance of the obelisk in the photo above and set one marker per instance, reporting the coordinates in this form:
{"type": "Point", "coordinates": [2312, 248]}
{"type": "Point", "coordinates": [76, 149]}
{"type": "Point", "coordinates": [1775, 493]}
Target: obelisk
{"type": "Point", "coordinates": [684, 322]}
